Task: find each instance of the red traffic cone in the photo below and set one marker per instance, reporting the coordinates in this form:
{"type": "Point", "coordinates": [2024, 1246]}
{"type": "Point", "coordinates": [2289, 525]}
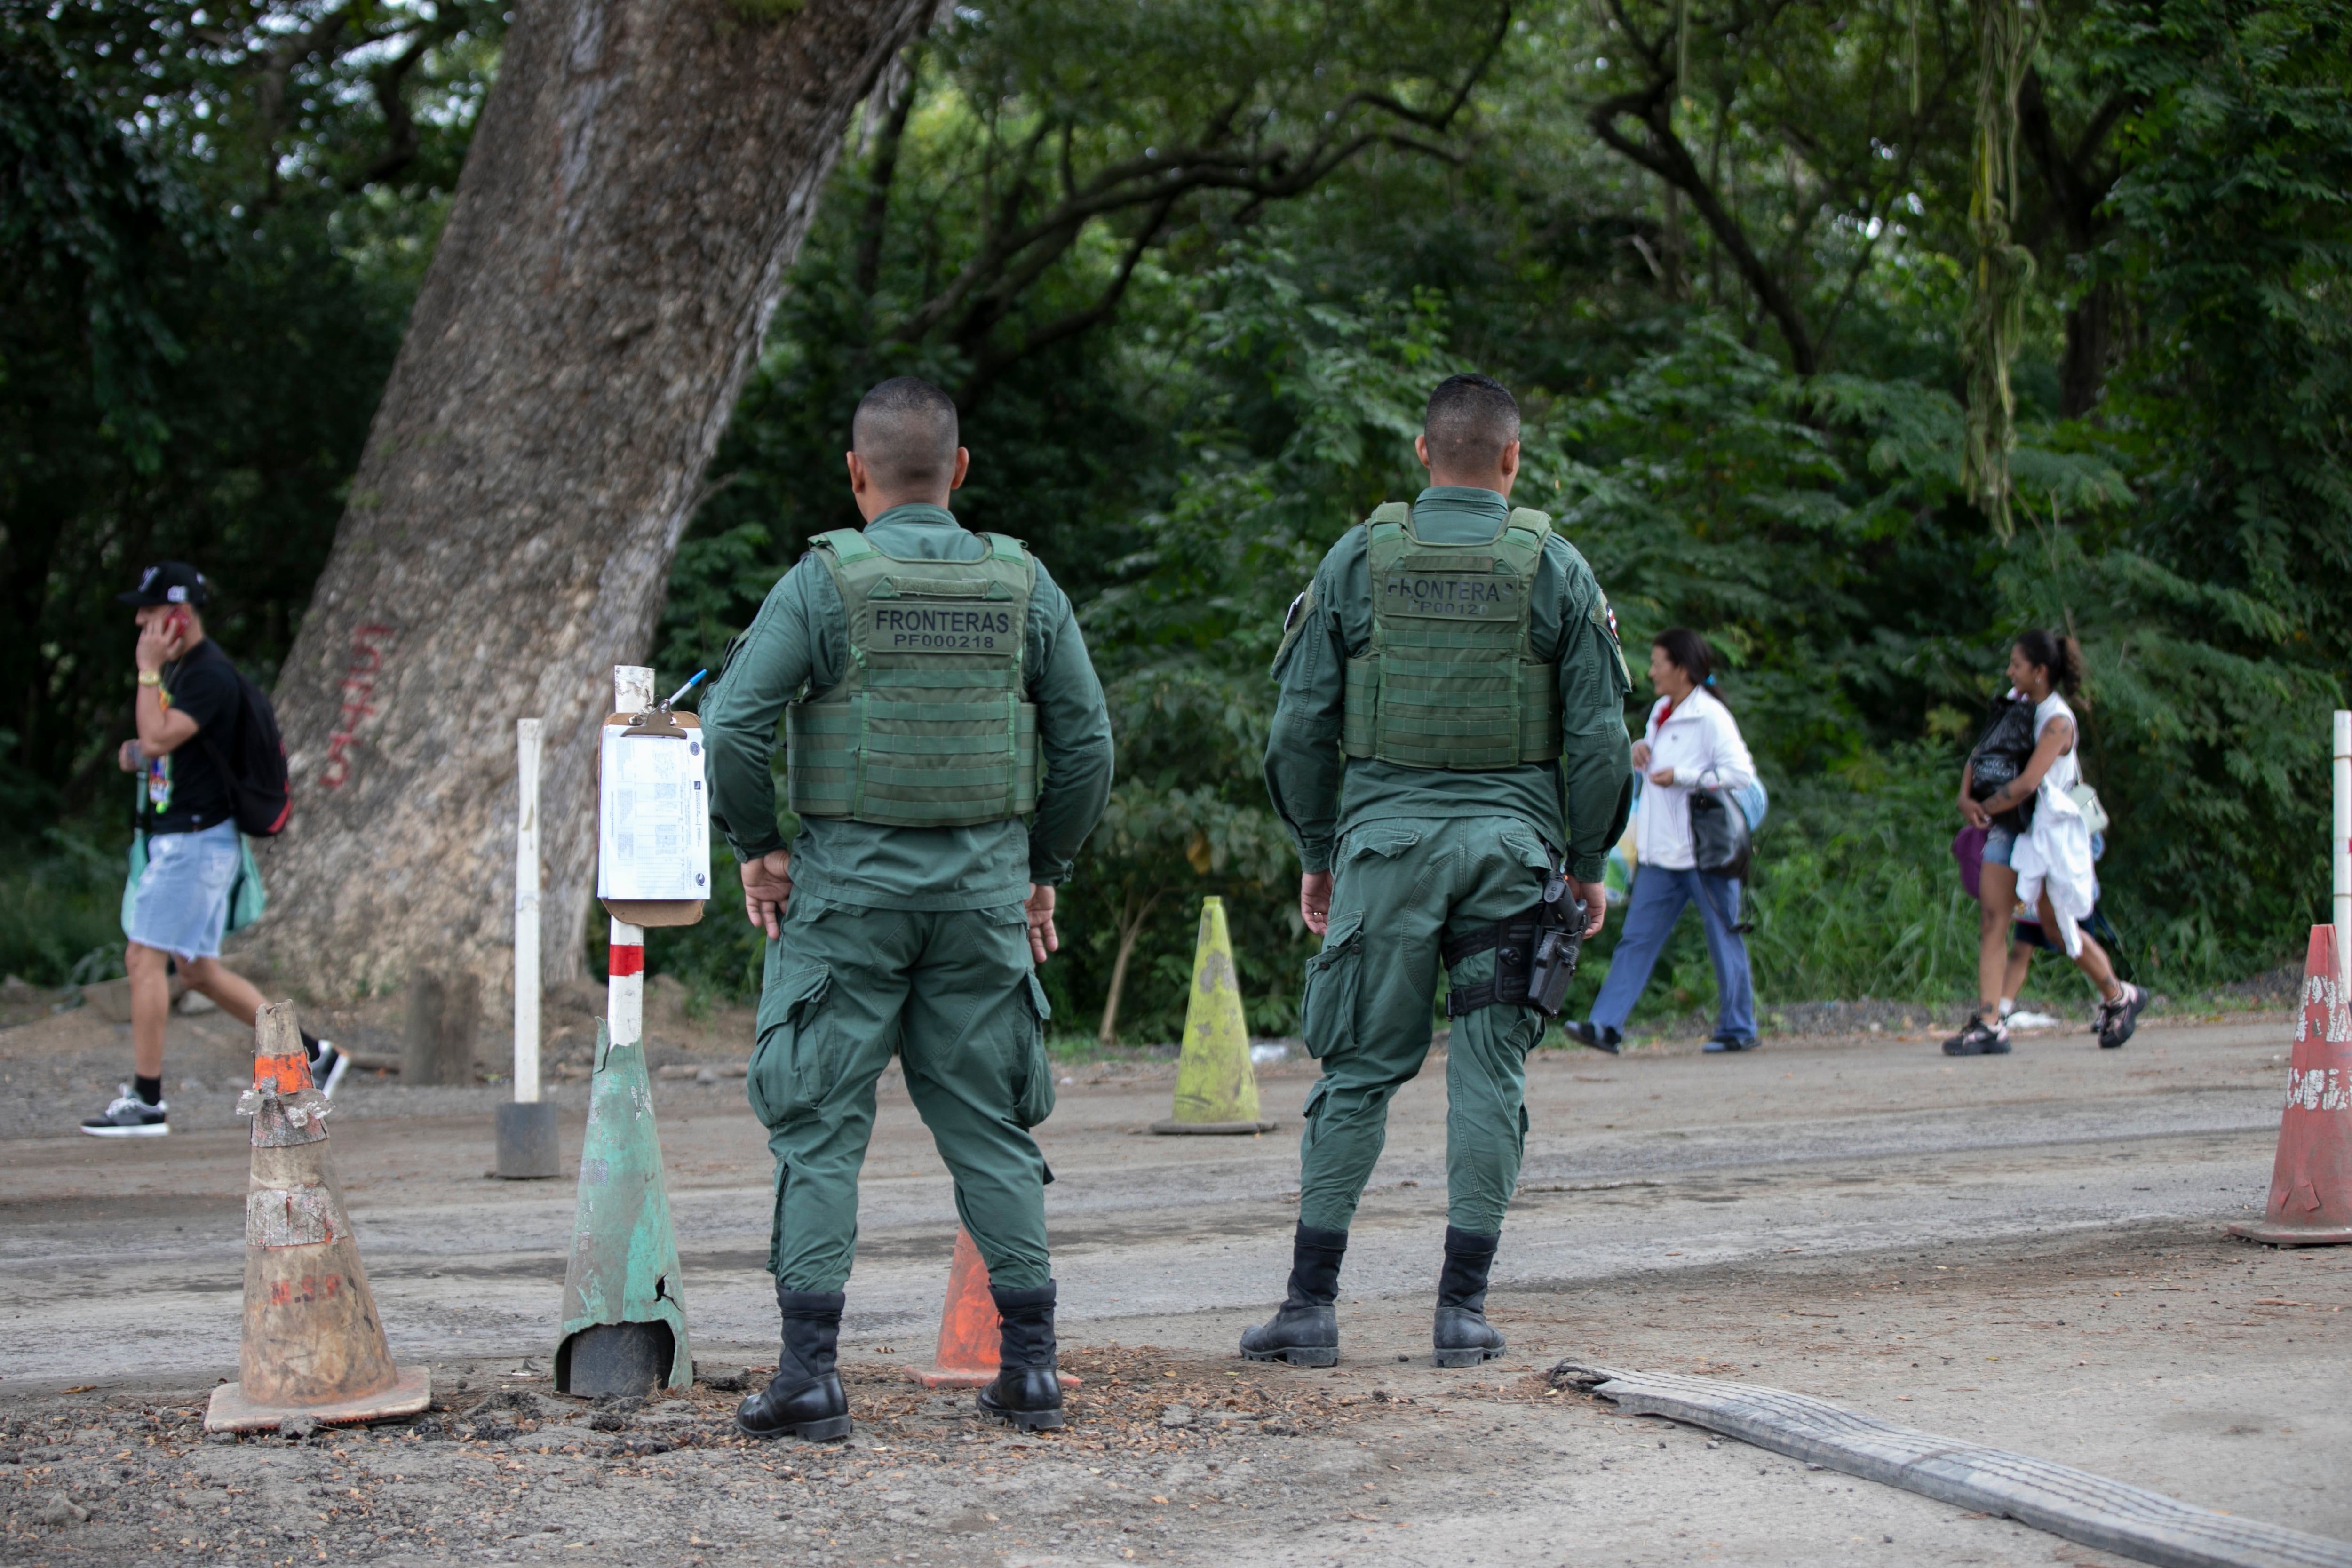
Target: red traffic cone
{"type": "Point", "coordinates": [313, 1343]}
{"type": "Point", "coordinates": [969, 1352]}
{"type": "Point", "coordinates": [2311, 1184]}
{"type": "Point", "coordinates": [968, 1356]}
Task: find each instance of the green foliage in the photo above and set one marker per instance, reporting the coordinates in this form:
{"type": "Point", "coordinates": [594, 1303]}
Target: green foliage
{"type": "Point", "coordinates": [1191, 269]}
{"type": "Point", "coordinates": [211, 223]}
{"type": "Point", "coordinates": [60, 913]}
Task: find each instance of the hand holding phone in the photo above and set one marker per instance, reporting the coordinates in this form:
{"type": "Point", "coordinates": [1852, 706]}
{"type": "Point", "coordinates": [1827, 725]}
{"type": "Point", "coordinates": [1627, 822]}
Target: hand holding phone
{"type": "Point", "coordinates": [160, 639]}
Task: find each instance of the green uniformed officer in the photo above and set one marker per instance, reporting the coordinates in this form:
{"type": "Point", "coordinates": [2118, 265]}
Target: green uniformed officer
{"type": "Point", "coordinates": [946, 751]}
{"type": "Point", "coordinates": [1452, 669]}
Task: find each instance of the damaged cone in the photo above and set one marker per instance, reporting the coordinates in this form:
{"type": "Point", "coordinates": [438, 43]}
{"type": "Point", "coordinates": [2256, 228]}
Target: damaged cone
{"type": "Point", "coordinates": [624, 1316]}
{"type": "Point", "coordinates": [314, 1349]}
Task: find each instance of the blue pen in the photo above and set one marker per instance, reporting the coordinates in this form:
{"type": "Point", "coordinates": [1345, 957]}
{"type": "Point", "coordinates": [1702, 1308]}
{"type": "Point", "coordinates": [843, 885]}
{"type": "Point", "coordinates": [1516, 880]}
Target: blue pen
{"type": "Point", "coordinates": [687, 687]}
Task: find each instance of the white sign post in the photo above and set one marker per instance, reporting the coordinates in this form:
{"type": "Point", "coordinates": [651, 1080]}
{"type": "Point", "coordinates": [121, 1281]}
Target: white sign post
{"type": "Point", "coordinates": [624, 983]}
{"type": "Point", "coordinates": [527, 1128]}
{"type": "Point", "coordinates": [527, 979]}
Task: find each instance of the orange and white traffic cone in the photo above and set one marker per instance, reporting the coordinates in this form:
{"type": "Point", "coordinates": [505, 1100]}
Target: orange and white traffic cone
{"type": "Point", "coordinates": [2311, 1182]}
{"type": "Point", "coordinates": [313, 1344]}
{"type": "Point", "coordinates": [969, 1349]}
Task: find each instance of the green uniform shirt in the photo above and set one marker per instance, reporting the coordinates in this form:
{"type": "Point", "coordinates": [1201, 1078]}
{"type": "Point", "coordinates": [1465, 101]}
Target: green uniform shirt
{"type": "Point", "coordinates": [799, 645]}
{"type": "Point", "coordinates": [1568, 621]}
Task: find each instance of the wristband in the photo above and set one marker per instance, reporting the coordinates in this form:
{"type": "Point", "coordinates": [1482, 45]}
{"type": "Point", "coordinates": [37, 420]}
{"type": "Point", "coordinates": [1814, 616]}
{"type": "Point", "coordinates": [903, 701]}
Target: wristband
{"type": "Point", "coordinates": [151, 677]}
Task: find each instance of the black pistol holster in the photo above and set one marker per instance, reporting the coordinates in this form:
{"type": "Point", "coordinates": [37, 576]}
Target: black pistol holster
{"type": "Point", "coordinates": [1535, 956]}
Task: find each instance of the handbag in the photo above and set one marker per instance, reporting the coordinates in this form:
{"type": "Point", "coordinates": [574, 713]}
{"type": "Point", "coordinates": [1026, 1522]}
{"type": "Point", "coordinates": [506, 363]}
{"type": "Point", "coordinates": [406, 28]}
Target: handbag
{"type": "Point", "coordinates": [1722, 844]}
{"type": "Point", "coordinates": [1968, 848]}
{"type": "Point", "coordinates": [2086, 801]}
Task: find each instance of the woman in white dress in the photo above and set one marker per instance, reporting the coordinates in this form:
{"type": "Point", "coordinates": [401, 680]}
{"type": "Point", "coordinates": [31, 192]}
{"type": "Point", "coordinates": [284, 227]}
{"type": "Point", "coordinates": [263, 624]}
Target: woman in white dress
{"type": "Point", "coordinates": [2037, 847]}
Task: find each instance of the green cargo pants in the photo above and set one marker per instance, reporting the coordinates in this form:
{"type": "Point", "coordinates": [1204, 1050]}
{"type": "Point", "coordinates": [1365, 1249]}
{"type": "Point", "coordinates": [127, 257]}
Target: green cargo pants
{"type": "Point", "coordinates": [1399, 890]}
{"type": "Point", "coordinates": [953, 993]}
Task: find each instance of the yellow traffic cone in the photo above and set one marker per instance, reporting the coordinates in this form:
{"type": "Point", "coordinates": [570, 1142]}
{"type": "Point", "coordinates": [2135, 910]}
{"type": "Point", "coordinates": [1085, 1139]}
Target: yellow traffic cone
{"type": "Point", "coordinates": [1216, 1088]}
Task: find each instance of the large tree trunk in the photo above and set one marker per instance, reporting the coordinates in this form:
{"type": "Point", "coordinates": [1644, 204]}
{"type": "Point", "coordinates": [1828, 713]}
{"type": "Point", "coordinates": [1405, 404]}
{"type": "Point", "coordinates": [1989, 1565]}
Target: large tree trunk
{"type": "Point", "coordinates": [641, 178]}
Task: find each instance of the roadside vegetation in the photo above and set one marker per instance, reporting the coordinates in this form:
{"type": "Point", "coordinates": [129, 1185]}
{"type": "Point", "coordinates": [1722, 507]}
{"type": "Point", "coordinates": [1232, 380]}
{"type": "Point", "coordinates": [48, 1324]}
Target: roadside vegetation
{"type": "Point", "coordinates": [1191, 269]}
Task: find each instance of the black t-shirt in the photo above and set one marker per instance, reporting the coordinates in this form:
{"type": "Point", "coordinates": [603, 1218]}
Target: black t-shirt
{"type": "Point", "coordinates": [184, 790]}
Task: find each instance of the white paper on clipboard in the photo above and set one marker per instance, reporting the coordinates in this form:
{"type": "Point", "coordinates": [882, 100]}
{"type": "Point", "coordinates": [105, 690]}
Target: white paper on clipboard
{"type": "Point", "coordinates": [653, 817]}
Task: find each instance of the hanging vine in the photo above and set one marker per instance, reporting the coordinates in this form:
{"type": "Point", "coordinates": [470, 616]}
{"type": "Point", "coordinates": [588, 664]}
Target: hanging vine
{"type": "Point", "coordinates": [2006, 32]}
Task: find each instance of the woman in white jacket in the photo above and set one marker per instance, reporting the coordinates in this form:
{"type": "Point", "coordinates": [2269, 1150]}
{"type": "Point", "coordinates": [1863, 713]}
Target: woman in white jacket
{"type": "Point", "coordinates": [1691, 737]}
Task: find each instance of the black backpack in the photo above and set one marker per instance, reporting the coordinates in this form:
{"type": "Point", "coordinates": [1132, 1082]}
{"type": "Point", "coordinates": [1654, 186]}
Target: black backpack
{"type": "Point", "coordinates": [2000, 754]}
{"type": "Point", "coordinates": [261, 787]}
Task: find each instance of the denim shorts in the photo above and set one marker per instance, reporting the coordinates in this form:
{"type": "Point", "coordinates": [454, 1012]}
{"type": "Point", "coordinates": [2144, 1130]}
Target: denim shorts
{"type": "Point", "coordinates": [1999, 844]}
{"type": "Point", "coordinates": [180, 905]}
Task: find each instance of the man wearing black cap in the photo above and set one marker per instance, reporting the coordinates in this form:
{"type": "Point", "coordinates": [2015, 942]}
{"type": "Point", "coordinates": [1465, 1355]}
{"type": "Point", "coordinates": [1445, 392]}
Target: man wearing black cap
{"type": "Point", "coordinates": [188, 692]}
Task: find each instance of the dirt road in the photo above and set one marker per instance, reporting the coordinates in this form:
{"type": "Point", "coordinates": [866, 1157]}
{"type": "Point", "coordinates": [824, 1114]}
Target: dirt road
{"type": "Point", "coordinates": [2025, 1251]}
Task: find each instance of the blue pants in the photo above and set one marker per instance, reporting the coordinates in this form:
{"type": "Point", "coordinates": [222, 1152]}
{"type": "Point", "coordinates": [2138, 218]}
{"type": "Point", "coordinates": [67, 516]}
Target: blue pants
{"type": "Point", "coordinates": [1658, 899]}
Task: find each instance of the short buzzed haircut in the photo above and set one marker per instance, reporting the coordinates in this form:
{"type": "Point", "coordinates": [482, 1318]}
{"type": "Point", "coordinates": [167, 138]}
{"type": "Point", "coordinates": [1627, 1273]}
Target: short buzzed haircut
{"type": "Point", "coordinates": [1470, 420]}
{"type": "Point", "coordinates": [906, 434]}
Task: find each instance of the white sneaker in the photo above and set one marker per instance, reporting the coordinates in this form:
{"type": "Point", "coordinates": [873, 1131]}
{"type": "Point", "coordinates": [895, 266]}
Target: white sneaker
{"type": "Point", "coordinates": [131, 1117]}
{"type": "Point", "coordinates": [2032, 1021]}
{"type": "Point", "coordinates": [328, 1071]}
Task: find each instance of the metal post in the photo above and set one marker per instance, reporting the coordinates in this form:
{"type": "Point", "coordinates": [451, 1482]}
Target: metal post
{"type": "Point", "coordinates": [528, 1148]}
{"type": "Point", "coordinates": [2340, 853]}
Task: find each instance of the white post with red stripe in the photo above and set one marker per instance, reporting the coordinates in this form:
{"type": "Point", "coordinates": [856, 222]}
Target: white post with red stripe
{"type": "Point", "coordinates": [624, 986]}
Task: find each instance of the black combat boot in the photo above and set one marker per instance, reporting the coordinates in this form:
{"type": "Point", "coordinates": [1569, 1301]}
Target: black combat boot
{"type": "Point", "coordinates": [1027, 1391]}
{"type": "Point", "coordinates": [1305, 1331]}
{"type": "Point", "coordinates": [804, 1397]}
{"type": "Point", "coordinates": [1463, 1337]}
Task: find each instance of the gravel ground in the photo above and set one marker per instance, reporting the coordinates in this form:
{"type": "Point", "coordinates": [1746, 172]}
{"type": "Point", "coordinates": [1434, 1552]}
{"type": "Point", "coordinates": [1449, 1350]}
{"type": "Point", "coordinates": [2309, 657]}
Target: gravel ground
{"type": "Point", "coordinates": [1176, 1455]}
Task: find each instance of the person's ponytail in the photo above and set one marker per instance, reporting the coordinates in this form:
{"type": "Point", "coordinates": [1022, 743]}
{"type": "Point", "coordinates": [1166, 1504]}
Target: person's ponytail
{"type": "Point", "coordinates": [2056, 652]}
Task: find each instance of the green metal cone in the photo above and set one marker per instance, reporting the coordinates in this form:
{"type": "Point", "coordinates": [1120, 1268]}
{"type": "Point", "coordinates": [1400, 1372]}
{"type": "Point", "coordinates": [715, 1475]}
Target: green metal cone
{"type": "Point", "coordinates": [1214, 1080]}
{"type": "Point", "coordinates": [623, 1251]}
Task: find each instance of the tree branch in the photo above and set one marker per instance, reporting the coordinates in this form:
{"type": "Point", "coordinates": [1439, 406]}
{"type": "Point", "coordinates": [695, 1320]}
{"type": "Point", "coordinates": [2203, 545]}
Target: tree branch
{"type": "Point", "coordinates": [991, 365]}
{"type": "Point", "coordinates": [1663, 153]}
{"type": "Point", "coordinates": [884, 173]}
{"type": "Point", "coordinates": [400, 126]}
{"type": "Point", "coordinates": [1012, 254]}
{"type": "Point", "coordinates": [279, 60]}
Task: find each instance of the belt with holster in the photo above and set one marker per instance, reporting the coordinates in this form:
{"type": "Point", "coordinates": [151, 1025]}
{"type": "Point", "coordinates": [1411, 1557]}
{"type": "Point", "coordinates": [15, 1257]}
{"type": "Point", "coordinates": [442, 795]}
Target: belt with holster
{"type": "Point", "coordinates": [1535, 955]}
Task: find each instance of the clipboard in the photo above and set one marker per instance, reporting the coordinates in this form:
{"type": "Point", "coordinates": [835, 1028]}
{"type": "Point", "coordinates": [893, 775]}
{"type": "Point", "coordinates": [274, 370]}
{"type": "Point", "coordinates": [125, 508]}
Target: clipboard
{"type": "Point", "coordinates": [652, 913]}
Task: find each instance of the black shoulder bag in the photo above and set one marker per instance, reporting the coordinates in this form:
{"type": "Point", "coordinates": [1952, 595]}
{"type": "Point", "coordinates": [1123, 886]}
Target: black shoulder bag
{"type": "Point", "coordinates": [1721, 844]}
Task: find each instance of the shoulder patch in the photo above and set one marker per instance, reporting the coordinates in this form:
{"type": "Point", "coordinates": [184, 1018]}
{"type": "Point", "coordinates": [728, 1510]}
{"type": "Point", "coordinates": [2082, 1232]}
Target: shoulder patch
{"type": "Point", "coordinates": [1604, 619]}
{"type": "Point", "coordinates": [1294, 621]}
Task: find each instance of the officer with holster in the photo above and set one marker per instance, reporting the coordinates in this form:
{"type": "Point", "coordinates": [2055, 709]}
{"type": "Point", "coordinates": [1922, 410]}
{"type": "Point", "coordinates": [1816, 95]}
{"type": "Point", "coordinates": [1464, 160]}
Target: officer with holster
{"type": "Point", "coordinates": [947, 750]}
{"type": "Point", "coordinates": [1450, 671]}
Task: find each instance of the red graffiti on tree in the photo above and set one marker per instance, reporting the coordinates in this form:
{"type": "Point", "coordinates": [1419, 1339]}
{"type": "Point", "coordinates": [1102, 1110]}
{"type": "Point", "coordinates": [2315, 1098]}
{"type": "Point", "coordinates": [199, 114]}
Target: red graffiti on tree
{"type": "Point", "coordinates": [359, 688]}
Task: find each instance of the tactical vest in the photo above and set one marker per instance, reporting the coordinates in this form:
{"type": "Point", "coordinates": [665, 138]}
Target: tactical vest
{"type": "Point", "coordinates": [1450, 679]}
{"type": "Point", "coordinates": [930, 726]}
